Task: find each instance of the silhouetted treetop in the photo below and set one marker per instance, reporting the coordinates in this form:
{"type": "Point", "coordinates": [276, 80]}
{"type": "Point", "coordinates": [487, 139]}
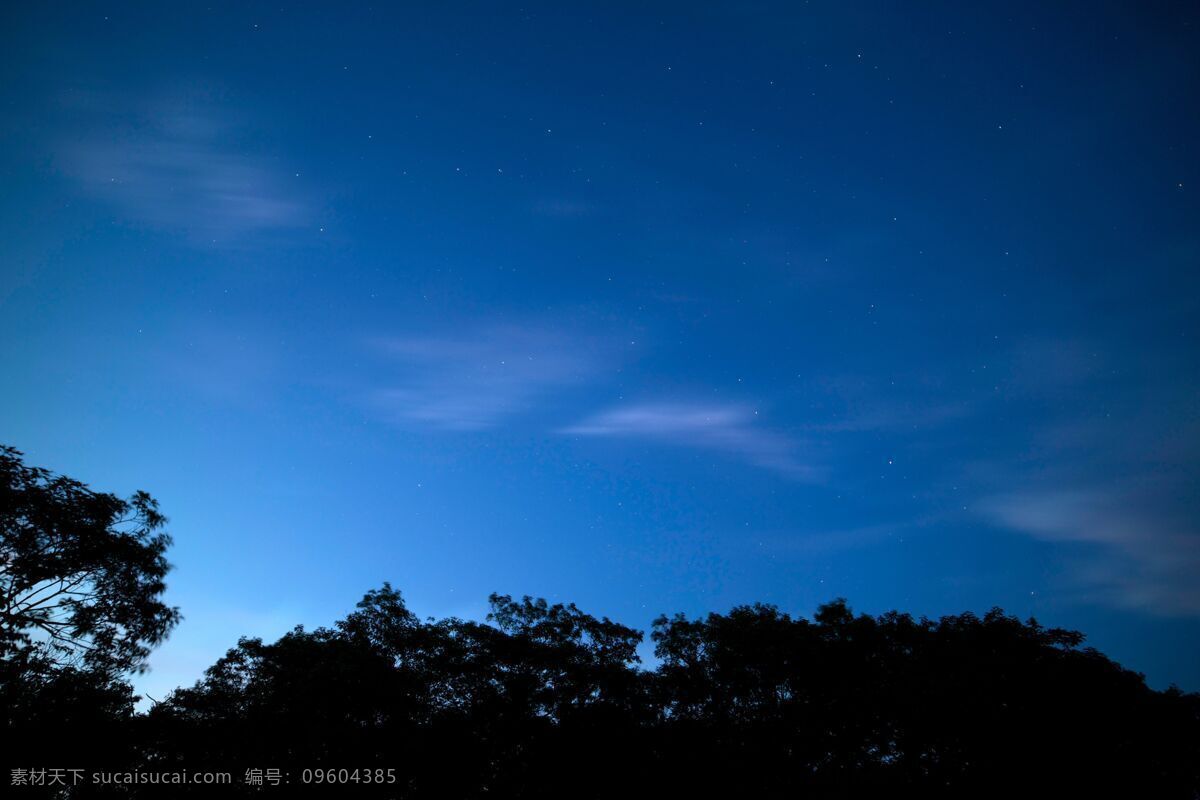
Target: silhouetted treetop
{"type": "Point", "coordinates": [544, 700]}
{"type": "Point", "coordinates": [81, 572]}
{"type": "Point", "coordinates": [755, 702]}
{"type": "Point", "coordinates": [606, 641]}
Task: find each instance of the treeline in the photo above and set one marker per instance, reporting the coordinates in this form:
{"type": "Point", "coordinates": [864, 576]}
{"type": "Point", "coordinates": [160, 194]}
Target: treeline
{"type": "Point", "coordinates": [544, 700]}
{"type": "Point", "coordinates": [547, 701]}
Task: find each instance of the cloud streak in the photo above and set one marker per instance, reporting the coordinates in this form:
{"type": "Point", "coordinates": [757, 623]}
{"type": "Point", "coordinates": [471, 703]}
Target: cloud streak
{"type": "Point", "coordinates": [182, 167]}
{"type": "Point", "coordinates": [483, 379]}
{"type": "Point", "coordinates": [730, 429]}
{"type": "Point", "coordinates": [1128, 551]}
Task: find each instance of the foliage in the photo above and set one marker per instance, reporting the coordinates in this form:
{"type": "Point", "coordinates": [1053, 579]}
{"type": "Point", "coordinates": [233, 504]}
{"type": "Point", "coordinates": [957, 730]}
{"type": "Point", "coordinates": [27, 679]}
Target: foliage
{"type": "Point", "coordinates": [81, 572]}
{"type": "Point", "coordinates": [550, 701]}
{"type": "Point", "coordinates": [544, 700]}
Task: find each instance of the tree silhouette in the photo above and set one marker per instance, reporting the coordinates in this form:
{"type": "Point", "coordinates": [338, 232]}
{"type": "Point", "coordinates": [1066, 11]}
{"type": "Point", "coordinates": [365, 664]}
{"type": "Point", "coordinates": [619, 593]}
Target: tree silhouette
{"type": "Point", "coordinates": [81, 576]}
{"type": "Point", "coordinates": [961, 706]}
{"type": "Point", "coordinates": [544, 700]}
{"type": "Point", "coordinates": [81, 572]}
{"type": "Point", "coordinates": [549, 700]}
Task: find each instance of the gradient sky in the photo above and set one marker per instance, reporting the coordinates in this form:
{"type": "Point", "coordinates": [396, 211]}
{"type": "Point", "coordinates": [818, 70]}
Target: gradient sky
{"type": "Point", "coordinates": [650, 307]}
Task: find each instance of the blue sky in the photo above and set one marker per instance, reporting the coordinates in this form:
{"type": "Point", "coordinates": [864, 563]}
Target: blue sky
{"type": "Point", "coordinates": [652, 308]}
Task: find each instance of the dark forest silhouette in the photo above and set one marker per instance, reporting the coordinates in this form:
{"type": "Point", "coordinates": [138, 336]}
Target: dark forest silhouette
{"type": "Point", "coordinates": [544, 700]}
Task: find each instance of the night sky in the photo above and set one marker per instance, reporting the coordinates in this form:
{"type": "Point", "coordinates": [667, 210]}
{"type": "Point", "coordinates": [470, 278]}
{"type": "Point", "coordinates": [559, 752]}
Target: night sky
{"type": "Point", "coordinates": [649, 307]}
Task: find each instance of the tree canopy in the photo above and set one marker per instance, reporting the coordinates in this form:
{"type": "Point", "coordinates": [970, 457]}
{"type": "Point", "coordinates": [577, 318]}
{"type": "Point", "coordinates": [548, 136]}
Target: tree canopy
{"type": "Point", "coordinates": [551, 701]}
{"type": "Point", "coordinates": [544, 700]}
{"type": "Point", "coordinates": [81, 572]}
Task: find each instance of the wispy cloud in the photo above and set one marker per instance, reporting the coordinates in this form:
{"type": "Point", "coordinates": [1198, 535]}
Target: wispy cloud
{"type": "Point", "coordinates": [731, 429]}
{"type": "Point", "coordinates": [1129, 551]}
{"type": "Point", "coordinates": [491, 376]}
{"type": "Point", "coordinates": [182, 166]}
{"type": "Point", "coordinates": [1108, 471]}
{"type": "Point", "coordinates": [480, 379]}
